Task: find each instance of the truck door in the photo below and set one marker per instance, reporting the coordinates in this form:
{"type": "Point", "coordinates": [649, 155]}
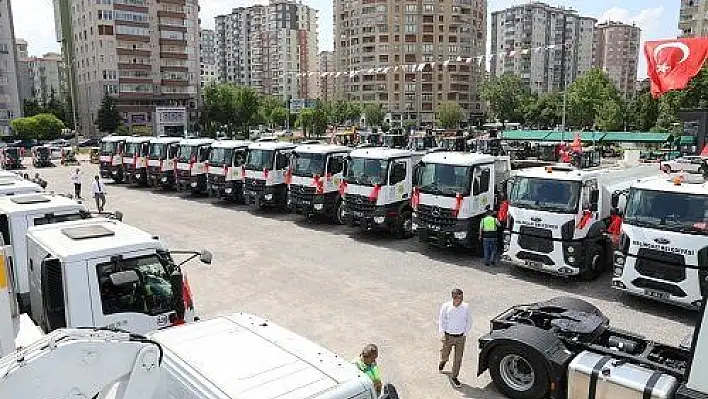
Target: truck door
{"type": "Point", "coordinates": [400, 180]}
{"type": "Point", "coordinates": [482, 189]}
{"type": "Point", "coordinates": [335, 171]}
{"type": "Point", "coordinates": [282, 161]}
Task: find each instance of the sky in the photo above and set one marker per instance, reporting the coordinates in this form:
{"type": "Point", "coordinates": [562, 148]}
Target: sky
{"type": "Point", "coordinates": [34, 19]}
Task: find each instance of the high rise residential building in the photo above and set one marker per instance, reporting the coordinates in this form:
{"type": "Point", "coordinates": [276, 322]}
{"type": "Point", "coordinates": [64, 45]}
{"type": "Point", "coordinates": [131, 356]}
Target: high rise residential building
{"type": "Point", "coordinates": [22, 48]}
{"type": "Point", "coordinates": [269, 47]}
{"type": "Point", "coordinates": [145, 53]}
{"type": "Point", "coordinates": [328, 68]}
{"type": "Point", "coordinates": [10, 107]}
{"type": "Point", "coordinates": [39, 77]}
{"type": "Point", "coordinates": [517, 31]}
{"type": "Point", "coordinates": [617, 53]}
{"type": "Point", "coordinates": [693, 18]}
{"type": "Point", "coordinates": [383, 40]}
{"type": "Point", "coordinates": [208, 70]}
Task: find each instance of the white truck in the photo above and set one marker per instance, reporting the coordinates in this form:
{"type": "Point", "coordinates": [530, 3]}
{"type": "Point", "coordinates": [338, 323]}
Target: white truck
{"type": "Point", "coordinates": [452, 191]}
{"type": "Point", "coordinates": [111, 158]}
{"type": "Point", "coordinates": [663, 246]}
{"type": "Point", "coordinates": [316, 176]}
{"type": "Point", "coordinates": [558, 216]}
{"type": "Point", "coordinates": [13, 186]}
{"type": "Point", "coordinates": [226, 169]}
{"type": "Point", "coordinates": [266, 168]}
{"type": "Point", "coordinates": [104, 273]}
{"type": "Point", "coordinates": [378, 188]}
{"type": "Point", "coordinates": [192, 165]}
{"type": "Point", "coordinates": [135, 158]}
{"type": "Point", "coordinates": [565, 348]}
{"type": "Point", "coordinates": [162, 159]}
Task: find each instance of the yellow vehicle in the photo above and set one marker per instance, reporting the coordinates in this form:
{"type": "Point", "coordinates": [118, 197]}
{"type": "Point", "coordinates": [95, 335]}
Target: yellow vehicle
{"type": "Point", "coordinates": [68, 156]}
{"type": "Point", "coordinates": [94, 154]}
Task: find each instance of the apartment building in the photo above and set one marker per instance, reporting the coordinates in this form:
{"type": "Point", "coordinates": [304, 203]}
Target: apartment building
{"type": "Point", "coordinates": [538, 25]}
{"type": "Point", "coordinates": [693, 18]}
{"type": "Point", "coordinates": [39, 77]}
{"type": "Point", "coordinates": [328, 69]}
{"type": "Point", "coordinates": [269, 47]}
{"type": "Point", "coordinates": [617, 53]}
{"type": "Point", "coordinates": [145, 53]}
{"type": "Point", "coordinates": [208, 70]}
{"type": "Point", "coordinates": [398, 34]}
{"type": "Point", "coordinates": [10, 106]}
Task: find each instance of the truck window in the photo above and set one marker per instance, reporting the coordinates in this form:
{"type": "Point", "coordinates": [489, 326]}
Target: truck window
{"type": "Point", "coordinates": [398, 172]}
{"type": "Point", "coordinates": [239, 157]}
{"type": "Point", "coordinates": [5, 229]}
{"type": "Point", "coordinates": [204, 154]}
{"type": "Point", "coordinates": [281, 161]}
{"type": "Point", "coordinates": [52, 277]}
{"type": "Point", "coordinates": [51, 219]}
{"type": "Point", "coordinates": [335, 165]}
{"type": "Point", "coordinates": [151, 295]}
{"type": "Point", "coordinates": [174, 149]}
{"type": "Point", "coordinates": [481, 181]}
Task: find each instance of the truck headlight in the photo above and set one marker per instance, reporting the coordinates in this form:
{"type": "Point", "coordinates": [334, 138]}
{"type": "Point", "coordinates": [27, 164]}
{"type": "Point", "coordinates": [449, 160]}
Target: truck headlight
{"type": "Point", "coordinates": [460, 235]}
{"type": "Point", "coordinates": [318, 207]}
{"type": "Point", "coordinates": [414, 214]}
{"type": "Point", "coordinates": [137, 175]}
{"type": "Point", "coordinates": [268, 197]}
{"type": "Point", "coordinates": [571, 249]}
{"type": "Point", "coordinates": [507, 238]}
{"type": "Point", "coordinates": [164, 179]}
{"type": "Point", "coordinates": [571, 259]}
{"type": "Point", "coordinates": [228, 190]}
{"type": "Point", "coordinates": [414, 226]}
{"type": "Point", "coordinates": [379, 219]}
{"type": "Point", "coordinates": [193, 184]}
{"type": "Point", "coordinates": [619, 260]}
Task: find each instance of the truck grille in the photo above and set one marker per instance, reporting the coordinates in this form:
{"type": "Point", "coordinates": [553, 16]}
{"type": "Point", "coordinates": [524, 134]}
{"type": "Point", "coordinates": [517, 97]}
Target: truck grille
{"type": "Point", "coordinates": [659, 286]}
{"type": "Point", "coordinates": [129, 167]}
{"type": "Point", "coordinates": [256, 185]}
{"type": "Point", "coordinates": [359, 203]}
{"type": "Point", "coordinates": [301, 193]}
{"type": "Point", "coordinates": [435, 215]}
{"type": "Point", "coordinates": [216, 179]}
{"type": "Point", "coordinates": [183, 174]}
{"type": "Point", "coordinates": [661, 265]}
{"type": "Point", "coordinates": [535, 239]}
{"type": "Point", "coordinates": [154, 170]}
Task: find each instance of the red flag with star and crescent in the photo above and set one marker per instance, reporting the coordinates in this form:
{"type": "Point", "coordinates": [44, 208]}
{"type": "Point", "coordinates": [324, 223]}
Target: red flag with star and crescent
{"type": "Point", "coordinates": [671, 64]}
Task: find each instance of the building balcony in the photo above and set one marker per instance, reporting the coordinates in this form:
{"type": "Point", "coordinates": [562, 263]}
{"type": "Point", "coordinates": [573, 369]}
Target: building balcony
{"type": "Point", "coordinates": [175, 82]}
{"type": "Point", "coordinates": [171, 14]}
{"type": "Point", "coordinates": [130, 7]}
{"type": "Point", "coordinates": [173, 56]}
{"type": "Point", "coordinates": [135, 80]}
{"type": "Point", "coordinates": [175, 2]}
{"type": "Point", "coordinates": [134, 66]}
{"type": "Point", "coordinates": [133, 38]}
{"type": "Point", "coordinates": [173, 42]}
{"type": "Point", "coordinates": [134, 52]}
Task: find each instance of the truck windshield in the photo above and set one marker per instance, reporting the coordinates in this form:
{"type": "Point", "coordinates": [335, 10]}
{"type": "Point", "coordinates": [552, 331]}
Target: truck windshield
{"type": "Point", "coordinates": [309, 165]}
{"type": "Point", "coordinates": [151, 294]}
{"type": "Point", "coordinates": [260, 159]}
{"type": "Point", "coordinates": [681, 212]}
{"type": "Point", "coordinates": [439, 179]}
{"type": "Point", "coordinates": [186, 153]}
{"type": "Point", "coordinates": [158, 151]}
{"type": "Point", "coordinates": [131, 149]}
{"type": "Point", "coordinates": [108, 147]}
{"type": "Point", "coordinates": [367, 172]}
{"type": "Point", "coordinates": [221, 156]}
{"type": "Point", "coordinates": [545, 194]}
{"type": "Point", "coordinates": [422, 143]}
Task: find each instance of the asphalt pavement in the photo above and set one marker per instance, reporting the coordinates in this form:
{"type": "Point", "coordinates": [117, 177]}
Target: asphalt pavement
{"type": "Point", "coordinates": [344, 289]}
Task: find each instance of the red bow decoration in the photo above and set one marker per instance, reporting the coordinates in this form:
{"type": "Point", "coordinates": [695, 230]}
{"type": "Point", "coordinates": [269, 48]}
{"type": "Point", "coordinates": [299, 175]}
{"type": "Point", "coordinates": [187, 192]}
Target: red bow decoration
{"type": "Point", "coordinates": [135, 160]}
{"type": "Point", "coordinates": [192, 160]}
{"type": "Point", "coordinates": [587, 215]}
{"type": "Point", "coordinates": [329, 177]}
{"type": "Point", "coordinates": [243, 171]}
{"type": "Point", "coordinates": [375, 192]}
{"type": "Point", "coordinates": [226, 169]}
{"type": "Point", "coordinates": [458, 205]}
{"type": "Point", "coordinates": [288, 176]}
{"type": "Point", "coordinates": [415, 198]}
{"type": "Point", "coordinates": [265, 173]}
{"type": "Point", "coordinates": [319, 184]}
{"type": "Point", "coordinates": [342, 187]}
{"type": "Point", "coordinates": [615, 226]}
{"type": "Point", "coordinates": [503, 212]}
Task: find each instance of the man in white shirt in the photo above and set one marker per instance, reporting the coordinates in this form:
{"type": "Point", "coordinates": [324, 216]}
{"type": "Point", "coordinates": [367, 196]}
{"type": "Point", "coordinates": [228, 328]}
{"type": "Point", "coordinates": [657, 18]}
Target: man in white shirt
{"type": "Point", "coordinates": [454, 324]}
{"type": "Point", "coordinates": [75, 178]}
{"type": "Point", "coordinates": [99, 193]}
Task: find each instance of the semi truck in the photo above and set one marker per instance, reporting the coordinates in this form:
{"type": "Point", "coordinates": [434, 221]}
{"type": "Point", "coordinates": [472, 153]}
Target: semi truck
{"type": "Point", "coordinates": [162, 158]}
{"type": "Point", "coordinates": [565, 348]}
{"type": "Point", "coordinates": [192, 165]}
{"type": "Point", "coordinates": [662, 252]}
{"type": "Point", "coordinates": [226, 173]}
{"type": "Point", "coordinates": [558, 216]}
{"type": "Point", "coordinates": [111, 158]}
{"type": "Point", "coordinates": [315, 181]}
{"type": "Point", "coordinates": [135, 159]}
{"type": "Point", "coordinates": [378, 188]}
{"type": "Point", "coordinates": [452, 192]}
{"type": "Point", "coordinates": [267, 166]}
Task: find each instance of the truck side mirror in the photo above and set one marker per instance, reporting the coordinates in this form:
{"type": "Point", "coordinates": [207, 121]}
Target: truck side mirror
{"type": "Point", "coordinates": [118, 216]}
{"type": "Point", "coordinates": [205, 257]}
{"type": "Point", "coordinates": [177, 285]}
{"type": "Point", "coordinates": [594, 197]}
{"type": "Point", "coordinates": [614, 202]}
{"type": "Point", "coordinates": [124, 277]}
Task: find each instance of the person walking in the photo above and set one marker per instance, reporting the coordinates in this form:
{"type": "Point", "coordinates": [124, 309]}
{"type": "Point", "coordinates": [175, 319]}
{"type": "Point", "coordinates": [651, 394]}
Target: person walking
{"type": "Point", "coordinates": [366, 363]}
{"type": "Point", "coordinates": [75, 178]}
{"type": "Point", "coordinates": [488, 234]}
{"type": "Point", "coordinates": [99, 193]}
{"type": "Point", "coordinates": [454, 325]}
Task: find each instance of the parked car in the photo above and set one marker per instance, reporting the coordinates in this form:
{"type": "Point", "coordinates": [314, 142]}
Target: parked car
{"type": "Point", "coordinates": [688, 163]}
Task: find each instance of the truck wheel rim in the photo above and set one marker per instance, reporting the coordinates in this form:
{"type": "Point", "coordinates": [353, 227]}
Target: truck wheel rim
{"type": "Point", "coordinates": [340, 213]}
{"type": "Point", "coordinates": [517, 373]}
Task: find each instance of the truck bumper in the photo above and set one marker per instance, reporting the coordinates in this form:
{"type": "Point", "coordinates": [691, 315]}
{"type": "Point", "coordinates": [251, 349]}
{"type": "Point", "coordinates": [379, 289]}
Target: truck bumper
{"type": "Point", "coordinates": [267, 196]}
{"type": "Point", "coordinates": [461, 234]}
{"type": "Point", "coordinates": [378, 218]}
{"type": "Point", "coordinates": [317, 204]}
{"type": "Point", "coordinates": [230, 190]}
{"type": "Point", "coordinates": [164, 179]}
{"type": "Point", "coordinates": [139, 177]}
{"type": "Point", "coordinates": [553, 257]}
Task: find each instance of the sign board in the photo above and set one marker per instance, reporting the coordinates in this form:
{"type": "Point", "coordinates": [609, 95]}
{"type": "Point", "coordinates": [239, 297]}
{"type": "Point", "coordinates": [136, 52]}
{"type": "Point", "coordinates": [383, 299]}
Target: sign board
{"type": "Point", "coordinates": [298, 104]}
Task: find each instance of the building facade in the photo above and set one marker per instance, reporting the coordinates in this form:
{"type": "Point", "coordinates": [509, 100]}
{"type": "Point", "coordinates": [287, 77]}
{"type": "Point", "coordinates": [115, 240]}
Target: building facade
{"type": "Point", "coordinates": [383, 42]}
{"type": "Point", "coordinates": [10, 105]}
{"type": "Point", "coordinates": [145, 53]}
{"type": "Point", "coordinates": [40, 77]}
{"type": "Point", "coordinates": [208, 71]}
{"type": "Point", "coordinates": [617, 53]}
{"type": "Point", "coordinates": [270, 47]}
{"type": "Point", "coordinates": [328, 70]}
{"type": "Point", "coordinates": [693, 18]}
{"type": "Point", "coordinates": [517, 30]}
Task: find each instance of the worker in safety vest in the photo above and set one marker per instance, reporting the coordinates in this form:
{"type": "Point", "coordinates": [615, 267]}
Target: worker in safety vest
{"type": "Point", "coordinates": [488, 234]}
{"type": "Point", "coordinates": [366, 363]}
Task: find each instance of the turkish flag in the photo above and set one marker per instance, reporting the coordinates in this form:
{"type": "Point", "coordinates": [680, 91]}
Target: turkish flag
{"type": "Point", "coordinates": [672, 63]}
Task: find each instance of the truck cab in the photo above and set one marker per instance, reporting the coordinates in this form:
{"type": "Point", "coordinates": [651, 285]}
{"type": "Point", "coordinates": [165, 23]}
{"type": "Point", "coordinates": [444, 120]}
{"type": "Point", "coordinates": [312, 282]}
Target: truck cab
{"type": "Point", "coordinates": [162, 158]}
{"type": "Point", "coordinates": [111, 158]}
{"type": "Point", "coordinates": [226, 174]}
{"type": "Point", "coordinates": [452, 191]}
{"type": "Point", "coordinates": [41, 156]}
{"type": "Point", "coordinates": [135, 159]}
{"type": "Point", "coordinates": [106, 274]}
{"type": "Point", "coordinates": [663, 245]}
{"type": "Point", "coordinates": [15, 186]}
{"type": "Point", "coordinates": [558, 216]}
{"type": "Point", "coordinates": [12, 157]}
{"type": "Point", "coordinates": [20, 212]}
{"type": "Point", "coordinates": [266, 168]}
{"type": "Point", "coordinates": [397, 141]}
{"type": "Point", "coordinates": [315, 180]}
{"type": "Point", "coordinates": [192, 165]}
{"type": "Point", "coordinates": [422, 144]}
{"type": "Point", "coordinates": [378, 187]}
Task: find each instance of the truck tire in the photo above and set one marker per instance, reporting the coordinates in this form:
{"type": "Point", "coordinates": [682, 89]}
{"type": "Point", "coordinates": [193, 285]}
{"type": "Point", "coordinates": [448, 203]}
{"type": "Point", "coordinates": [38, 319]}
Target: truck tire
{"type": "Point", "coordinates": [594, 263]}
{"type": "Point", "coordinates": [571, 303]}
{"type": "Point", "coordinates": [338, 216]}
{"type": "Point", "coordinates": [519, 372]}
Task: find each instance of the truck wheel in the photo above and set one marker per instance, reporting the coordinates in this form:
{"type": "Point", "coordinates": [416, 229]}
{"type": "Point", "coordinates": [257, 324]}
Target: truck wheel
{"type": "Point", "coordinates": [339, 213]}
{"type": "Point", "coordinates": [594, 264]}
{"type": "Point", "coordinates": [571, 303]}
{"type": "Point", "coordinates": [404, 224]}
{"type": "Point", "coordinates": [519, 372]}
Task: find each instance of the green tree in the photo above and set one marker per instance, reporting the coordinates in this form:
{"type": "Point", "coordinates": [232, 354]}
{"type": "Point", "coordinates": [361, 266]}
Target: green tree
{"type": "Point", "coordinates": [25, 128]}
{"type": "Point", "coordinates": [268, 106]}
{"type": "Point", "coordinates": [610, 118]}
{"type": "Point", "coordinates": [667, 119]}
{"type": "Point", "coordinates": [319, 120]}
{"type": "Point", "coordinates": [505, 96]}
{"type": "Point", "coordinates": [588, 96]}
{"type": "Point", "coordinates": [108, 118]}
{"type": "Point", "coordinates": [643, 111]}
{"type": "Point", "coordinates": [449, 114]}
{"type": "Point", "coordinates": [278, 116]}
{"type": "Point", "coordinates": [353, 112]}
{"type": "Point", "coordinates": [305, 120]}
{"type": "Point", "coordinates": [49, 127]}
{"type": "Point", "coordinates": [374, 114]}
{"type": "Point", "coordinates": [246, 106]}
{"type": "Point", "coordinates": [31, 107]}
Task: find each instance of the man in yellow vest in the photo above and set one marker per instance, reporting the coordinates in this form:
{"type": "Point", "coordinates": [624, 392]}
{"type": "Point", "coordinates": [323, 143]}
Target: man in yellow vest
{"type": "Point", "coordinates": [488, 234]}
{"type": "Point", "coordinates": [366, 363]}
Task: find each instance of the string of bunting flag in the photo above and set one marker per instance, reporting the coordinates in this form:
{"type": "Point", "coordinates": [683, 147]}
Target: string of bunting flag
{"type": "Point", "coordinates": [421, 67]}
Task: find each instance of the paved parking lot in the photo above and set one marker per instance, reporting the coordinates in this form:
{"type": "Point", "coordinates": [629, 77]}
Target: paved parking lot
{"type": "Point", "coordinates": [344, 289]}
